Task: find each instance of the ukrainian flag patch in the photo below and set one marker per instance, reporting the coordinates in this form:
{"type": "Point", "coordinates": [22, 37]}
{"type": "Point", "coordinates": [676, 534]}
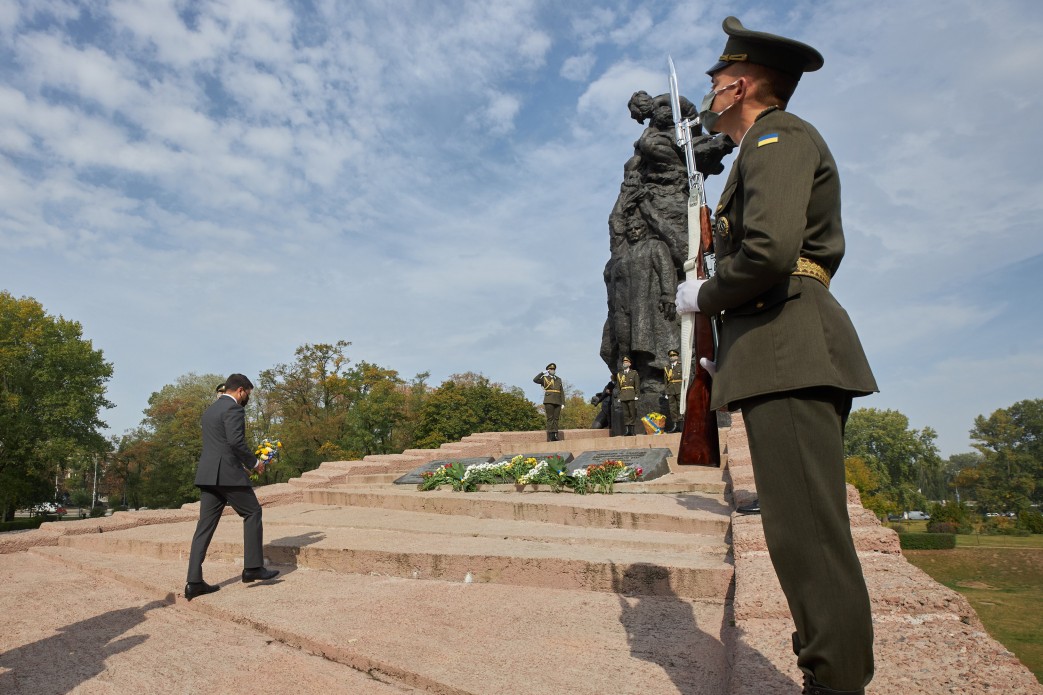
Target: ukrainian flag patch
{"type": "Point", "coordinates": [767, 139]}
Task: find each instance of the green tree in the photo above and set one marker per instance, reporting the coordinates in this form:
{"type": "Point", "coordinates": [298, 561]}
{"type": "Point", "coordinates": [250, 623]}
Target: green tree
{"type": "Point", "coordinates": [577, 413]}
{"type": "Point", "coordinates": [867, 482]}
{"type": "Point", "coordinates": [1010, 442]}
{"type": "Point", "coordinates": [905, 459]}
{"type": "Point", "coordinates": [376, 402]}
{"type": "Point", "coordinates": [52, 390]}
{"type": "Point", "coordinates": [164, 449]}
{"type": "Point", "coordinates": [469, 403]}
{"type": "Point", "coordinates": [304, 404]}
{"type": "Point", "coordinates": [956, 479]}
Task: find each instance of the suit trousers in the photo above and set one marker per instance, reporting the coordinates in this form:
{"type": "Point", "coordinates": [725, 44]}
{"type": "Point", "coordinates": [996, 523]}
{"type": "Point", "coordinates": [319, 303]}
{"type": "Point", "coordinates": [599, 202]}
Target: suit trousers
{"type": "Point", "coordinates": [797, 447]}
{"type": "Point", "coordinates": [553, 411]}
{"type": "Point", "coordinates": [212, 502]}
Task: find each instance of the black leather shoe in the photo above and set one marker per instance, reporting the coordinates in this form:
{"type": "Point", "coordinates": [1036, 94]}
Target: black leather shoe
{"type": "Point", "coordinates": [193, 589]}
{"type": "Point", "coordinates": [258, 574]}
{"type": "Point", "coordinates": [753, 507]}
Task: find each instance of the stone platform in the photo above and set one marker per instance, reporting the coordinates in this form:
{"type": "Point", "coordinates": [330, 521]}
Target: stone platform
{"type": "Point", "coordinates": [385, 589]}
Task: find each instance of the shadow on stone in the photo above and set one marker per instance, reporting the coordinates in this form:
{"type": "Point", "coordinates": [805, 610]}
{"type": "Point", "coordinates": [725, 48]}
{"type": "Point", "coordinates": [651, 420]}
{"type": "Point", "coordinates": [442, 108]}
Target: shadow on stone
{"type": "Point", "coordinates": [663, 629]}
{"type": "Point", "coordinates": [699, 503]}
{"type": "Point", "coordinates": [285, 551]}
{"type": "Point", "coordinates": [62, 662]}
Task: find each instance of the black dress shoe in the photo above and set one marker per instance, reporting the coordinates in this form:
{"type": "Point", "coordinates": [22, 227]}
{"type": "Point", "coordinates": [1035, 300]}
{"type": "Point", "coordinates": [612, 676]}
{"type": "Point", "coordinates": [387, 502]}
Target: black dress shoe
{"type": "Point", "coordinates": [753, 507]}
{"type": "Point", "coordinates": [193, 589]}
{"type": "Point", "coordinates": [258, 574]}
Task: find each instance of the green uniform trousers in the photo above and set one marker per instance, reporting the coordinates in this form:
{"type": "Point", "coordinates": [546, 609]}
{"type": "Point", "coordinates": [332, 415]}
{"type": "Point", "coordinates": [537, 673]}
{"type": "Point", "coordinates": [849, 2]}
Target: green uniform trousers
{"type": "Point", "coordinates": [629, 412]}
{"type": "Point", "coordinates": [553, 411]}
{"type": "Point", "coordinates": [797, 447]}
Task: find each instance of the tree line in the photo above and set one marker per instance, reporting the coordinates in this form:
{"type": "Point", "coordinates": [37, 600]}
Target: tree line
{"type": "Point", "coordinates": [324, 407]}
{"type": "Point", "coordinates": [897, 468]}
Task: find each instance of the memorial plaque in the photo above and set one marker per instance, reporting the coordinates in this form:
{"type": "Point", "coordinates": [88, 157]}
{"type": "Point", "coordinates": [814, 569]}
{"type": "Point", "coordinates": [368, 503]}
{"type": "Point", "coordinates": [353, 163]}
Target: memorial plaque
{"type": "Point", "coordinates": [414, 477]}
{"type": "Point", "coordinates": [651, 461]}
{"type": "Point", "coordinates": [565, 456]}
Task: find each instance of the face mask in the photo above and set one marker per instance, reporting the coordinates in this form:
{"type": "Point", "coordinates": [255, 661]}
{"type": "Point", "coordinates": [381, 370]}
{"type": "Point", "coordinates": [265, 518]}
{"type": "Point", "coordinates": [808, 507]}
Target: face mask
{"type": "Point", "coordinates": [551, 372]}
{"type": "Point", "coordinates": [708, 118]}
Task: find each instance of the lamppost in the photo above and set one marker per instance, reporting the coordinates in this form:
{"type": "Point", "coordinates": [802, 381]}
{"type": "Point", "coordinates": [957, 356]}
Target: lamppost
{"type": "Point", "coordinates": [94, 492]}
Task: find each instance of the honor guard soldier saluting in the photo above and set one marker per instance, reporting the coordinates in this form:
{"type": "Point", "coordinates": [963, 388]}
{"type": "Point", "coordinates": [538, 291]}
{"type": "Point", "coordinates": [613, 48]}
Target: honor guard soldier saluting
{"type": "Point", "coordinates": [628, 381]}
{"type": "Point", "coordinates": [553, 399]}
{"type": "Point", "coordinates": [788, 356]}
{"type": "Point", "coordinates": [672, 377]}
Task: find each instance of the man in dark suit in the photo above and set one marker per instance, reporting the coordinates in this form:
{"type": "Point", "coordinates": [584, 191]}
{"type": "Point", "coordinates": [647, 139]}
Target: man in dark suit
{"type": "Point", "coordinates": [788, 357]}
{"type": "Point", "coordinates": [222, 480]}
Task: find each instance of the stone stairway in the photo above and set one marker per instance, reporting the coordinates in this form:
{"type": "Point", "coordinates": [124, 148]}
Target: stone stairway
{"type": "Point", "coordinates": [655, 589]}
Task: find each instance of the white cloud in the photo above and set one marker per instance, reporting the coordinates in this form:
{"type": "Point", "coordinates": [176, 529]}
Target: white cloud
{"type": "Point", "coordinates": [577, 68]}
{"type": "Point", "coordinates": [433, 183]}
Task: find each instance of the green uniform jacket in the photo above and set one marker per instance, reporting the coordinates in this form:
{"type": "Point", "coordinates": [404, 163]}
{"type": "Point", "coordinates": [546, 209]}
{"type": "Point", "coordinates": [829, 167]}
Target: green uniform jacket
{"type": "Point", "coordinates": [629, 383]}
{"type": "Point", "coordinates": [672, 376]}
{"type": "Point", "coordinates": [780, 332]}
{"type": "Point", "coordinates": [552, 391]}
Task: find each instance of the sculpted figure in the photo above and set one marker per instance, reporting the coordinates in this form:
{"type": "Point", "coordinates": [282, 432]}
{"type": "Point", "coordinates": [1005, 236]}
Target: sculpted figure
{"type": "Point", "coordinates": [642, 283]}
{"type": "Point", "coordinates": [648, 238]}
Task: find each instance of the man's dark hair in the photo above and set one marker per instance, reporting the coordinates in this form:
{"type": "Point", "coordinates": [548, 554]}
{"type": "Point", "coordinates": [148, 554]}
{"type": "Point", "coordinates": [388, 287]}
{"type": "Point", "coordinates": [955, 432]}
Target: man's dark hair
{"type": "Point", "coordinates": [777, 84]}
{"type": "Point", "coordinates": [237, 381]}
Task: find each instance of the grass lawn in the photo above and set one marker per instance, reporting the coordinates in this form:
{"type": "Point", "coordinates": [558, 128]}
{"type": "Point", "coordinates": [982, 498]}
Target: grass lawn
{"type": "Point", "coordinates": [1002, 577]}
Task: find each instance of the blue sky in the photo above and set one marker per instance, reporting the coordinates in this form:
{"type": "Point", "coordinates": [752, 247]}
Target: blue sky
{"type": "Point", "coordinates": [206, 186]}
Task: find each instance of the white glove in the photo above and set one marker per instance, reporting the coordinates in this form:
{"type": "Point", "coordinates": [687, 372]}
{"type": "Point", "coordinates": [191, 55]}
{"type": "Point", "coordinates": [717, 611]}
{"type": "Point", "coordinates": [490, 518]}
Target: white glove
{"type": "Point", "coordinates": [687, 300]}
{"type": "Point", "coordinates": [710, 367]}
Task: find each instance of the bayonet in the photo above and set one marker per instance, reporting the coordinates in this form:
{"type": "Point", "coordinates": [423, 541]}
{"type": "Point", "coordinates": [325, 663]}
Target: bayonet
{"type": "Point", "coordinates": [699, 438]}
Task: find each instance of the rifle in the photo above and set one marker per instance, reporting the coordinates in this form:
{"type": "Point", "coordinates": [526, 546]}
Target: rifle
{"type": "Point", "coordinates": [700, 444]}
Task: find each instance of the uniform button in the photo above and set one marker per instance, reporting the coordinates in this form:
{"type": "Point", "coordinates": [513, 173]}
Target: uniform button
{"type": "Point", "coordinates": [760, 305]}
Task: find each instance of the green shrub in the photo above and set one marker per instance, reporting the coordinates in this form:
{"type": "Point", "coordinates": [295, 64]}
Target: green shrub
{"type": "Point", "coordinates": [22, 524]}
{"type": "Point", "coordinates": [898, 528]}
{"type": "Point", "coordinates": [927, 541]}
{"type": "Point", "coordinates": [1031, 520]}
{"type": "Point", "coordinates": [942, 527]}
{"type": "Point", "coordinates": [1002, 526]}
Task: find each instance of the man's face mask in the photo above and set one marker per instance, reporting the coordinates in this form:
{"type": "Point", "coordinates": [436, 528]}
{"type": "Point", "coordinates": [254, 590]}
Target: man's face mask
{"type": "Point", "coordinates": [708, 118]}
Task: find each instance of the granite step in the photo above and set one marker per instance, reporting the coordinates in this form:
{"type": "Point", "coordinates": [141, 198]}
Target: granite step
{"type": "Point", "coordinates": [73, 631]}
{"type": "Point", "coordinates": [692, 512]}
{"type": "Point", "coordinates": [455, 638]}
{"type": "Point", "coordinates": [432, 546]}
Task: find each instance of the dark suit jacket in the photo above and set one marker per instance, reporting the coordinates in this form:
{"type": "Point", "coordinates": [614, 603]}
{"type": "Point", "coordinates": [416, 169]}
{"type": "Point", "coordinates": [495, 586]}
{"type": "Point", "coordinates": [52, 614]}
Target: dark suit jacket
{"type": "Point", "coordinates": [225, 453]}
{"type": "Point", "coordinates": [780, 332]}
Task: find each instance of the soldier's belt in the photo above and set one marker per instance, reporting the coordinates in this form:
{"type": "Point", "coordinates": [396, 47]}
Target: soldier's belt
{"type": "Point", "coordinates": [552, 391]}
{"type": "Point", "coordinates": [811, 269]}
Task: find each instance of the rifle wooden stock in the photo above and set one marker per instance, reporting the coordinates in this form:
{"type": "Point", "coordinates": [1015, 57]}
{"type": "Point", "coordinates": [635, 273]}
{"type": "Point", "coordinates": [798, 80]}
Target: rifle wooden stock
{"type": "Point", "coordinates": [700, 443]}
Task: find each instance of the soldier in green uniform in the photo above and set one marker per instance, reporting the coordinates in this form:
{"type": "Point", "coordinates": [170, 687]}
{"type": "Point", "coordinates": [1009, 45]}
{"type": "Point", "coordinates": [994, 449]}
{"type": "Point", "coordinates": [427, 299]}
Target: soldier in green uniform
{"type": "Point", "coordinates": [628, 382]}
{"type": "Point", "coordinates": [672, 378]}
{"type": "Point", "coordinates": [789, 357]}
{"type": "Point", "coordinates": [553, 399]}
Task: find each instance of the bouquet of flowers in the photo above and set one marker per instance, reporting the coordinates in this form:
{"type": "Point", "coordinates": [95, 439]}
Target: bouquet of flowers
{"type": "Point", "coordinates": [267, 452]}
{"type": "Point", "coordinates": [654, 423]}
{"type": "Point", "coordinates": [601, 477]}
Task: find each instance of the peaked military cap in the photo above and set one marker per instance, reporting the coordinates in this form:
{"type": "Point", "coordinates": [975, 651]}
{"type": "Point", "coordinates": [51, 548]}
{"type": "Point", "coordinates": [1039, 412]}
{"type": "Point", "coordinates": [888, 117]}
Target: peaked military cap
{"type": "Point", "coordinates": [671, 353]}
{"type": "Point", "coordinates": [551, 366]}
{"type": "Point", "coordinates": [785, 55]}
